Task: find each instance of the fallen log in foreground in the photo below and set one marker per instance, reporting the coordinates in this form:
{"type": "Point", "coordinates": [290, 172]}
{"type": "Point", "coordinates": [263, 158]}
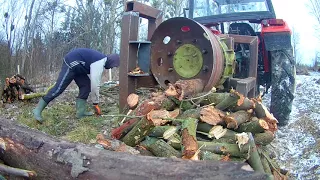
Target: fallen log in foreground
{"type": "Point", "coordinates": [50, 158]}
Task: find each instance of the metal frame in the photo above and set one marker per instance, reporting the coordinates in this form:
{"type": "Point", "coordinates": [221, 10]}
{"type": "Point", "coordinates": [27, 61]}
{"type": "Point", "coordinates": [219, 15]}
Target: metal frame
{"type": "Point", "coordinates": [234, 16]}
{"type": "Point", "coordinates": [133, 52]}
{"type": "Point", "coordinates": [247, 86]}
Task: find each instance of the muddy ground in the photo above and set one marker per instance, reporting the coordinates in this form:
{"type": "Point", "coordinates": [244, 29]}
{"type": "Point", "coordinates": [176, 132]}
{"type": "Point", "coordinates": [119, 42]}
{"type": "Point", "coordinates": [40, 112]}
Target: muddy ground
{"type": "Point", "coordinates": [297, 146]}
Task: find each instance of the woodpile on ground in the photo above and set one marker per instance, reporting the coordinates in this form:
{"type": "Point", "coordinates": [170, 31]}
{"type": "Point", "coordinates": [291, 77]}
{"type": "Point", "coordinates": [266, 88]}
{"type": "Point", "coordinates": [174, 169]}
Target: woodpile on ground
{"type": "Point", "coordinates": [184, 122]}
{"type": "Point", "coordinates": [16, 88]}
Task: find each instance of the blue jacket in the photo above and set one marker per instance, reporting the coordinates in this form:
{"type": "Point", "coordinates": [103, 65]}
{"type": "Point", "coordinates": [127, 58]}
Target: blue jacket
{"type": "Point", "coordinates": [90, 62]}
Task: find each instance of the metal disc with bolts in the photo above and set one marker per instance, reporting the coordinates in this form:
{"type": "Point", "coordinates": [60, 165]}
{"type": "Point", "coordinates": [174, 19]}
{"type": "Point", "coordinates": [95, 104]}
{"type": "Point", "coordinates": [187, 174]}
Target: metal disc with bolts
{"type": "Point", "coordinates": [184, 49]}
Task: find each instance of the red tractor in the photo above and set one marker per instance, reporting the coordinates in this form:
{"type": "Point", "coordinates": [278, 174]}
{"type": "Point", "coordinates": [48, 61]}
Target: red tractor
{"type": "Point", "coordinates": [226, 43]}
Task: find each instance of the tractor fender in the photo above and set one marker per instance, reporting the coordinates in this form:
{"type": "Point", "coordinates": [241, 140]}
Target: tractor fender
{"type": "Point", "coordinates": [277, 41]}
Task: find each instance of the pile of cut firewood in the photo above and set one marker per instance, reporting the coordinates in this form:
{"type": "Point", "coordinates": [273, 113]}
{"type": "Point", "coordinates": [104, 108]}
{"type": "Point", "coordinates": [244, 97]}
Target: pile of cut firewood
{"type": "Point", "coordinates": [185, 122]}
{"type": "Point", "coordinates": [15, 88]}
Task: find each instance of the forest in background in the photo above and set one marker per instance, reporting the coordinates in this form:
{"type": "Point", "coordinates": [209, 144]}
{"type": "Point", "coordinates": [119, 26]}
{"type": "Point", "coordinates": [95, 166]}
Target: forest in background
{"type": "Point", "coordinates": [36, 34]}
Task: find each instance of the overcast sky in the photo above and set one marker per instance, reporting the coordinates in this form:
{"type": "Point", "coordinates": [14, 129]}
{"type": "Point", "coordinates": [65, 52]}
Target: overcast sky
{"type": "Point", "coordinates": [297, 14]}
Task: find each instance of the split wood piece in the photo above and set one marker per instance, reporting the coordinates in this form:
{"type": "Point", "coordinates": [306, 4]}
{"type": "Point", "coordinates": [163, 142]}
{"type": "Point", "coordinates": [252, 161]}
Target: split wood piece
{"type": "Point", "coordinates": [189, 143]}
{"type": "Point", "coordinates": [139, 132]}
{"type": "Point", "coordinates": [254, 126]}
{"type": "Point", "coordinates": [158, 117]}
{"type": "Point", "coordinates": [163, 102]}
{"type": "Point", "coordinates": [244, 103]}
{"type": "Point", "coordinates": [254, 159]}
{"type": "Point", "coordinates": [145, 107]}
{"type": "Point", "coordinates": [222, 148]}
{"type": "Point", "coordinates": [214, 98]}
{"type": "Point", "coordinates": [212, 115]}
{"type": "Point", "coordinates": [54, 158]}
{"type": "Point", "coordinates": [159, 147]}
{"type": "Point", "coordinates": [133, 100]}
{"type": "Point", "coordinates": [163, 131]}
{"type": "Point", "coordinates": [122, 130]}
{"type": "Point", "coordinates": [115, 145]}
{"type": "Point", "coordinates": [264, 138]}
{"type": "Point", "coordinates": [185, 88]}
{"type": "Point", "coordinates": [233, 120]}
{"type": "Point", "coordinates": [262, 112]}
{"type": "Point", "coordinates": [17, 171]}
{"type": "Point", "coordinates": [216, 131]}
{"type": "Point", "coordinates": [233, 99]}
{"type": "Point", "coordinates": [175, 141]}
{"type": "Point", "coordinates": [32, 95]}
{"type": "Point", "coordinates": [207, 155]}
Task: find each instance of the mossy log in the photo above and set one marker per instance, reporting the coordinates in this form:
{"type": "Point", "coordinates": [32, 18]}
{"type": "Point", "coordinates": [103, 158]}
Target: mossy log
{"type": "Point", "coordinates": [158, 131]}
{"type": "Point", "coordinates": [122, 130]}
{"type": "Point", "coordinates": [175, 141]}
{"type": "Point", "coordinates": [159, 147]}
{"type": "Point", "coordinates": [254, 159]}
{"type": "Point", "coordinates": [222, 148]}
{"type": "Point", "coordinates": [32, 95]}
{"type": "Point", "coordinates": [189, 143]}
{"type": "Point", "coordinates": [264, 138]}
{"type": "Point", "coordinates": [207, 155]}
{"type": "Point", "coordinates": [162, 101]}
{"type": "Point", "coordinates": [190, 113]}
{"type": "Point", "coordinates": [233, 120]}
{"type": "Point", "coordinates": [230, 101]}
{"type": "Point", "coordinates": [262, 112]}
{"type": "Point", "coordinates": [254, 126]}
{"type": "Point", "coordinates": [214, 98]}
{"type": "Point", "coordinates": [138, 132]}
{"type": "Point", "coordinates": [246, 104]}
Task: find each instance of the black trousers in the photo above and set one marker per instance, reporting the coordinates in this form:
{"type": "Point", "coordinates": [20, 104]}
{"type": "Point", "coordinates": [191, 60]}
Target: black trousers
{"type": "Point", "coordinates": [65, 78]}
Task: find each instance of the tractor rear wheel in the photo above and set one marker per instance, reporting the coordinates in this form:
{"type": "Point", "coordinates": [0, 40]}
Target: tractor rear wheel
{"type": "Point", "coordinates": [283, 77]}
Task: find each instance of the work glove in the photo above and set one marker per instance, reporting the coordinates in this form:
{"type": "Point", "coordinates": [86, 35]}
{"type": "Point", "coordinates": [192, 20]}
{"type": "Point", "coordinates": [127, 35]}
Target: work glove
{"type": "Point", "coordinates": [97, 109]}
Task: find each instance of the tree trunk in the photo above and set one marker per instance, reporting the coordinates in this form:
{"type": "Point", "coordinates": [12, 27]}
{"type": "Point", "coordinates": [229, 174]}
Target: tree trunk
{"type": "Point", "coordinates": [56, 159]}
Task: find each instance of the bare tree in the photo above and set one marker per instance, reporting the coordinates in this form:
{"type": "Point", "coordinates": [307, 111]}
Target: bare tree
{"type": "Point", "coordinates": [315, 9]}
{"type": "Point", "coordinates": [295, 45]}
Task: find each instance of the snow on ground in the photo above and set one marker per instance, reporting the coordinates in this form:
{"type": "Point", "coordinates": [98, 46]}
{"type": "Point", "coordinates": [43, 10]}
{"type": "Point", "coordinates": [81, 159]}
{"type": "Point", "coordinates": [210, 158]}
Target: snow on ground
{"type": "Point", "coordinates": [297, 145]}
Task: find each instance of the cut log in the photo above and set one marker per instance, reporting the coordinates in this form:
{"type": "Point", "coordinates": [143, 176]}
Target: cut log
{"type": "Point", "coordinates": [175, 141]}
{"type": "Point", "coordinates": [17, 172]}
{"type": "Point", "coordinates": [215, 131]}
{"type": "Point", "coordinates": [133, 100]}
{"type": "Point", "coordinates": [254, 126]}
{"type": "Point", "coordinates": [145, 107]}
{"type": "Point", "coordinates": [115, 145]}
{"type": "Point", "coordinates": [185, 88]}
{"type": "Point", "coordinates": [233, 99]}
{"type": "Point", "coordinates": [254, 159]}
{"type": "Point", "coordinates": [207, 155]}
{"type": "Point", "coordinates": [163, 102]}
{"type": "Point", "coordinates": [159, 131]}
{"type": "Point", "coordinates": [262, 112]}
{"type": "Point", "coordinates": [211, 115]}
{"type": "Point", "coordinates": [159, 147]}
{"type": "Point", "coordinates": [32, 95]}
{"type": "Point", "coordinates": [222, 148]}
{"type": "Point", "coordinates": [138, 132]}
{"type": "Point", "coordinates": [158, 116]}
{"type": "Point", "coordinates": [233, 120]}
{"type": "Point", "coordinates": [55, 159]}
{"type": "Point", "coordinates": [246, 104]}
{"type": "Point", "coordinates": [264, 138]}
{"type": "Point", "coordinates": [214, 98]}
{"type": "Point", "coordinates": [189, 143]}
{"type": "Point", "coordinates": [122, 130]}
{"type": "Point", "coordinates": [190, 113]}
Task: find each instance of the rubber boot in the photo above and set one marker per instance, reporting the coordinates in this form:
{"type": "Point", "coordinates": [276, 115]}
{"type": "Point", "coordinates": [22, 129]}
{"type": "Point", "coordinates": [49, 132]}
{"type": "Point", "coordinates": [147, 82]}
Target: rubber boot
{"type": "Point", "coordinates": [38, 110]}
{"type": "Point", "coordinates": [81, 108]}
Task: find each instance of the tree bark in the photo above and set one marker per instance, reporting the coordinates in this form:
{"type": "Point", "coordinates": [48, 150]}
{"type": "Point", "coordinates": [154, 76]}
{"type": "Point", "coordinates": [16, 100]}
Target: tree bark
{"type": "Point", "coordinates": [56, 159]}
{"type": "Point", "coordinates": [254, 126]}
{"type": "Point", "coordinates": [233, 120]}
{"type": "Point", "coordinates": [230, 101]}
{"type": "Point", "coordinates": [222, 148]}
{"type": "Point", "coordinates": [189, 143]}
{"type": "Point", "coordinates": [264, 138]}
{"type": "Point", "coordinates": [139, 132]}
{"type": "Point", "coordinates": [160, 148]}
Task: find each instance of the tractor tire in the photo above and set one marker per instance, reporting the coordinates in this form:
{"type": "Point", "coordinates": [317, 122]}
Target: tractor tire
{"type": "Point", "coordinates": [283, 81]}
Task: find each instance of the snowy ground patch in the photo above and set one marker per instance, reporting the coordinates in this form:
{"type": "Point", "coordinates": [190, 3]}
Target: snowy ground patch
{"type": "Point", "coordinates": [297, 145]}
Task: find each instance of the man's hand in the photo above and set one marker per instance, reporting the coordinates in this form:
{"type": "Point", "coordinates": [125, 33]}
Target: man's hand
{"type": "Point", "coordinates": [97, 109]}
